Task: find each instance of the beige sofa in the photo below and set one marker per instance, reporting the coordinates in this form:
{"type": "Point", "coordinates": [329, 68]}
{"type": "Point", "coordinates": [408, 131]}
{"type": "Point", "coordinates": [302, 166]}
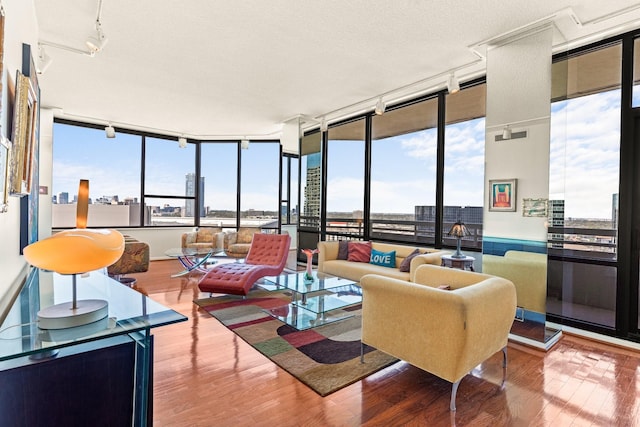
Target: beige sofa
{"type": "Point", "coordinates": [444, 332]}
{"type": "Point", "coordinates": [527, 271]}
{"type": "Point", "coordinates": [329, 264]}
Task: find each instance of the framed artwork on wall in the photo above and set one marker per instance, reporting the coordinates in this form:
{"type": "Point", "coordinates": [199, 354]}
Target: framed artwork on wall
{"type": "Point", "coordinates": [502, 195]}
{"type": "Point", "coordinates": [535, 207]}
{"type": "Point", "coordinates": [24, 137]}
{"type": "Point", "coordinates": [29, 204]}
{"type": "Point", "coordinates": [4, 173]}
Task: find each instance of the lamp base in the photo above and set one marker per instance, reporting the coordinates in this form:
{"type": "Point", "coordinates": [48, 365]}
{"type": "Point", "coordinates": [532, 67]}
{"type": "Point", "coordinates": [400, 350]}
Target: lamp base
{"type": "Point", "coordinates": [61, 316]}
{"type": "Point", "coordinates": [458, 256]}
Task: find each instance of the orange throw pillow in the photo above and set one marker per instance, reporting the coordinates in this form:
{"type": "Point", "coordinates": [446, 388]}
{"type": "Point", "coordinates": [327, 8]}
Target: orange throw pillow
{"type": "Point", "coordinates": [359, 251]}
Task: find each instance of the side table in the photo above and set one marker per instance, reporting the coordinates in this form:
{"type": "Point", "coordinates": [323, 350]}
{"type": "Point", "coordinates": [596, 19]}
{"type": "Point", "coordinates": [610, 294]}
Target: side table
{"type": "Point", "coordinates": [464, 263]}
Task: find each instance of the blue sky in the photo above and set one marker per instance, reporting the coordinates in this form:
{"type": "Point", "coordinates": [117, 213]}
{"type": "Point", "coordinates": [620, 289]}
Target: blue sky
{"type": "Point", "coordinates": [583, 165]}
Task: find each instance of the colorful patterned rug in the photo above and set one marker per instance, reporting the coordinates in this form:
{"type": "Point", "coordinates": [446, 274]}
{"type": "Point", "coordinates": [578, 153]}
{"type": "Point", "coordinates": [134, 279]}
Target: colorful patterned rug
{"type": "Point", "coordinates": [326, 358]}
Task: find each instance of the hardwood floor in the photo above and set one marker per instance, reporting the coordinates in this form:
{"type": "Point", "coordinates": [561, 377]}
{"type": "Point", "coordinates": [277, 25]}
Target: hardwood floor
{"type": "Point", "coordinates": [206, 376]}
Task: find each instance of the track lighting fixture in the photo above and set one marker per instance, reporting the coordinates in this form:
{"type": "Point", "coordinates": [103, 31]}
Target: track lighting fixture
{"type": "Point", "coordinates": [244, 144]}
{"type": "Point", "coordinates": [44, 60]}
{"type": "Point", "coordinates": [453, 85]}
{"type": "Point", "coordinates": [506, 132]}
{"type": "Point", "coordinates": [380, 107]}
{"type": "Point", "coordinates": [182, 142]}
{"type": "Point", "coordinates": [95, 44]}
{"type": "Point", "coordinates": [110, 131]}
{"type": "Point", "coordinates": [323, 125]}
{"type": "Point", "coordinates": [509, 134]}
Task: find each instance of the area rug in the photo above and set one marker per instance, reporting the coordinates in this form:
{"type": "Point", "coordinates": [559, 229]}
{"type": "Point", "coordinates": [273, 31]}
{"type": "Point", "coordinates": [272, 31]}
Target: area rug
{"type": "Point", "coordinates": [326, 358]}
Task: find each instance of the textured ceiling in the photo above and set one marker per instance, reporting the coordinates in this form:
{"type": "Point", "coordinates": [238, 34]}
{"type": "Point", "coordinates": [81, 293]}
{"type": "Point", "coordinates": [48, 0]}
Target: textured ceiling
{"type": "Point", "coordinates": [233, 69]}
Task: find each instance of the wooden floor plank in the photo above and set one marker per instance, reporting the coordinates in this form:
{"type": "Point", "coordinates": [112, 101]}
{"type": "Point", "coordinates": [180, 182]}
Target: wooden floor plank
{"type": "Point", "coordinates": [206, 376]}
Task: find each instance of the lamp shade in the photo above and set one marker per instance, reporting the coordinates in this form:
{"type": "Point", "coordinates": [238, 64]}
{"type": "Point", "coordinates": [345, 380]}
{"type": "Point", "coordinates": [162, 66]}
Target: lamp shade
{"type": "Point", "coordinates": [458, 230]}
{"type": "Point", "coordinates": [82, 209]}
{"type": "Point", "coordinates": [76, 251]}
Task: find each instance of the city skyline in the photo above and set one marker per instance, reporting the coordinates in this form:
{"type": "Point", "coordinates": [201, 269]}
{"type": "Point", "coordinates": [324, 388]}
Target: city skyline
{"type": "Point", "coordinates": [583, 166]}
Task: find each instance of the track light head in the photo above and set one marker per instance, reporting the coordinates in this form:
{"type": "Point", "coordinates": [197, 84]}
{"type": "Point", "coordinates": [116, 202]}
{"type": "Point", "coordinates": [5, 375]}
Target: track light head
{"type": "Point", "coordinates": [110, 131]}
{"type": "Point", "coordinates": [244, 144]}
{"type": "Point", "coordinates": [453, 85]}
{"type": "Point", "coordinates": [380, 107]}
{"type": "Point", "coordinates": [323, 125]}
{"type": "Point", "coordinates": [182, 142]}
{"type": "Point", "coordinates": [44, 60]}
{"type": "Point", "coordinates": [506, 132]}
{"type": "Point", "coordinates": [95, 44]}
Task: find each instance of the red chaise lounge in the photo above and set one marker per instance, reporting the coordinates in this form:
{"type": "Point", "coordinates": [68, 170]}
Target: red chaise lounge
{"type": "Point", "coordinates": [267, 257]}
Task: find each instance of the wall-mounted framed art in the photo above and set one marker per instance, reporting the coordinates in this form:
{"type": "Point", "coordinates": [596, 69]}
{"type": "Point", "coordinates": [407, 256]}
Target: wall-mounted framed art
{"type": "Point", "coordinates": [502, 195]}
{"type": "Point", "coordinates": [4, 173]}
{"type": "Point", "coordinates": [24, 137]}
{"type": "Point", "coordinates": [535, 207]}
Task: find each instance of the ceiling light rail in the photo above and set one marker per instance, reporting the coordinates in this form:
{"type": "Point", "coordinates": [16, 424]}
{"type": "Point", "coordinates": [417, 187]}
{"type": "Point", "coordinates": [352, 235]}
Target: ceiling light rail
{"type": "Point", "coordinates": [430, 84]}
{"type": "Point", "coordinates": [94, 44]}
{"type": "Point", "coordinates": [59, 113]}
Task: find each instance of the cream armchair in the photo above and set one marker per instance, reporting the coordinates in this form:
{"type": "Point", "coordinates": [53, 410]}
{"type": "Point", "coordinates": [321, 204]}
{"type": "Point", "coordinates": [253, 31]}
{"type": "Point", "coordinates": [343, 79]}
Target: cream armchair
{"type": "Point", "coordinates": [444, 332]}
{"type": "Point", "coordinates": [204, 237]}
{"type": "Point", "coordinates": [237, 243]}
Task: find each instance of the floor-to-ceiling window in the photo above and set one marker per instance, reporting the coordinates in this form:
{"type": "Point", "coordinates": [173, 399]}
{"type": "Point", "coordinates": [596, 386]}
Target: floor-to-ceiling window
{"type": "Point", "coordinates": [463, 186]}
{"type": "Point", "coordinates": [218, 170]}
{"type": "Point", "coordinates": [259, 185]}
{"type": "Point", "coordinates": [289, 208]}
{"type": "Point", "coordinates": [112, 166]}
{"type": "Point", "coordinates": [584, 186]}
{"type": "Point", "coordinates": [345, 179]}
{"type": "Point", "coordinates": [310, 190]}
{"type": "Point", "coordinates": [403, 173]}
{"type": "Point", "coordinates": [169, 183]}
{"type": "Point", "coordinates": [148, 180]}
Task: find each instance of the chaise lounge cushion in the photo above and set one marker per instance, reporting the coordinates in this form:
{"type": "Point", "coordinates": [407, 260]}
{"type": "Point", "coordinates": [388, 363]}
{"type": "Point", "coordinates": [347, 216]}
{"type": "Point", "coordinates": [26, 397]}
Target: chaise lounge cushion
{"type": "Point", "coordinates": [267, 257]}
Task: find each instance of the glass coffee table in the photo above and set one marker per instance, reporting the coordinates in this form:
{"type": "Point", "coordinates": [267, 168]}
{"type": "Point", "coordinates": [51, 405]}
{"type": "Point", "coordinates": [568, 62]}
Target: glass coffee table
{"type": "Point", "coordinates": [195, 258]}
{"type": "Point", "coordinates": [313, 303]}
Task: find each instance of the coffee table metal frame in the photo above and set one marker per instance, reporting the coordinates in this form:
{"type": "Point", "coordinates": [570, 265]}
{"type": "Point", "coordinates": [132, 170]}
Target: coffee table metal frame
{"type": "Point", "coordinates": [313, 303]}
{"type": "Point", "coordinates": [194, 258]}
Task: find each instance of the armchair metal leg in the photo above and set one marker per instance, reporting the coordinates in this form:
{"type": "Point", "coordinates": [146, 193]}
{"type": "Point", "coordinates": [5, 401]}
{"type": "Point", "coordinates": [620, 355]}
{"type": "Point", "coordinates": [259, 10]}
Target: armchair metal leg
{"type": "Point", "coordinates": [454, 391]}
{"type": "Point", "coordinates": [504, 368]}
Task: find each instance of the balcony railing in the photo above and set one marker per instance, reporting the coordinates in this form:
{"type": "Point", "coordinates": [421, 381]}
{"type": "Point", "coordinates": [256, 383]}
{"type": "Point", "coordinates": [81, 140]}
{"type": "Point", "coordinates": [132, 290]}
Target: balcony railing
{"type": "Point", "coordinates": [402, 231]}
{"type": "Point", "coordinates": [585, 243]}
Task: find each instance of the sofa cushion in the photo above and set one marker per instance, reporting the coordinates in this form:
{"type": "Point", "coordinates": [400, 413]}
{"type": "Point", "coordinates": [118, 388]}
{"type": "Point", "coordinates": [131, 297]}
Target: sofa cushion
{"type": "Point", "coordinates": [405, 266]}
{"type": "Point", "coordinates": [355, 270]}
{"type": "Point", "coordinates": [359, 252]}
{"type": "Point", "coordinates": [343, 249]}
{"type": "Point", "coordinates": [385, 259]}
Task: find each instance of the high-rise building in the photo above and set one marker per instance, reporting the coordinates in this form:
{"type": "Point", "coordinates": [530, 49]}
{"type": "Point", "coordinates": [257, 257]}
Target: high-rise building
{"type": "Point", "coordinates": [190, 190]}
{"type": "Point", "coordinates": [556, 219]}
{"type": "Point", "coordinates": [63, 198]}
{"type": "Point", "coordinates": [451, 214]}
{"type": "Point", "coordinates": [312, 187]}
{"type": "Point", "coordinates": [470, 215]}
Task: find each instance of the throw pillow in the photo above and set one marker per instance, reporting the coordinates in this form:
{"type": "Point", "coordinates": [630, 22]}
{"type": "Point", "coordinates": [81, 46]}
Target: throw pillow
{"type": "Point", "coordinates": [405, 265]}
{"type": "Point", "coordinates": [359, 251]}
{"type": "Point", "coordinates": [343, 249]}
{"type": "Point", "coordinates": [385, 259]}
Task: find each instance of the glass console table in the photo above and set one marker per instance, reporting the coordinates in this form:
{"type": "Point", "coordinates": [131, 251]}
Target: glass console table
{"type": "Point", "coordinates": [313, 303]}
{"type": "Point", "coordinates": [79, 375]}
{"type": "Point", "coordinates": [198, 259]}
